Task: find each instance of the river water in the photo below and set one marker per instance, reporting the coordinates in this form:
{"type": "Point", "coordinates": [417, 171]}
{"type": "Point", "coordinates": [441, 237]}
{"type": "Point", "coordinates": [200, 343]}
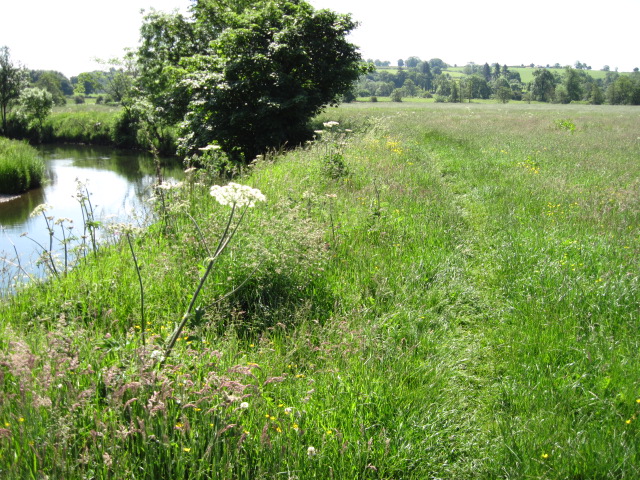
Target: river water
{"type": "Point", "coordinates": [118, 183]}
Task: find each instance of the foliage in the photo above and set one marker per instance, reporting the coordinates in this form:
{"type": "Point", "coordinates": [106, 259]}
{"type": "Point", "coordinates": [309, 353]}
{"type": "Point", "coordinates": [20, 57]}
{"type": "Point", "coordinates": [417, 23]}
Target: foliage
{"type": "Point", "coordinates": [564, 124]}
{"type": "Point", "coordinates": [12, 81]}
{"type": "Point", "coordinates": [21, 168]}
{"type": "Point", "coordinates": [51, 82]}
{"type": "Point", "coordinates": [254, 77]}
{"type": "Point", "coordinates": [544, 85]}
{"type": "Point", "coordinates": [35, 105]}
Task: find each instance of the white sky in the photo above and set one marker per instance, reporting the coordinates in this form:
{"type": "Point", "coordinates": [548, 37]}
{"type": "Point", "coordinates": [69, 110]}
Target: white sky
{"type": "Point", "coordinates": [65, 35]}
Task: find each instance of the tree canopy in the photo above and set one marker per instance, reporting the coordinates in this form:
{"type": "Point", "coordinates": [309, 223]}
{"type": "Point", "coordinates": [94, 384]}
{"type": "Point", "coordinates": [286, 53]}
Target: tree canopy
{"type": "Point", "coordinates": [12, 80]}
{"type": "Point", "coordinates": [247, 76]}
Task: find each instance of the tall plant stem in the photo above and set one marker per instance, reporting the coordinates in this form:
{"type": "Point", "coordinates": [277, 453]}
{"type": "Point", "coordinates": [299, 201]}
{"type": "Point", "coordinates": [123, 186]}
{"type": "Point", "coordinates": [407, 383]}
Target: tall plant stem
{"type": "Point", "coordinates": [143, 324]}
{"type": "Point", "coordinates": [224, 241]}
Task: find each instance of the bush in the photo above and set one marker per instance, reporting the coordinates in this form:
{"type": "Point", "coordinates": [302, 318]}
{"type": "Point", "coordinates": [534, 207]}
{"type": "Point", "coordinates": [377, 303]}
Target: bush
{"type": "Point", "coordinates": [79, 99]}
{"type": "Point", "coordinates": [20, 167]}
{"type": "Point", "coordinates": [373, 98]}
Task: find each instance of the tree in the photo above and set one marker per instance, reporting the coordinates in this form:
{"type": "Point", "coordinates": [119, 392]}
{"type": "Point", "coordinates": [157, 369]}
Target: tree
{"type": "Point", "coordinates": [247, 77]}
{"type": "Point", "coordinates": [496, 71]}
{"type": "Point", "coordinates": [50, 82]}
{"type": "Point", "coordinates": [621, 91]}
{"type": "Point", "coordinates": [572, 84]}
{"type": "Point", "coordinates": [543, 85]}
{"type": "Point", "coordinates": [12, 81]}
{"type": "Point", "coordinates": [400, 62]}
{"type": "Point", "coordinates": [486, 72]}
{"type": "Point", "coordinates": [425, 69]}
{"type": "Point", "coordinates": [456, 94]}
{"type": "Point", "coordinates": [443, 84]}
{"type": "Point", "coordinates": [412, 62]}
{"type": "Point", "coordinates": [87, 83]}
{"type": "Point", "coordinates": [409, 87]}
{"type": "Point", "coordinates": [437, 65]}
{"type": "Point", "coordinates": [503, 90]}
{"type": "Point", "coordinates": [596, 97]}
{"type": "Point", "coordinates": [35, 106]}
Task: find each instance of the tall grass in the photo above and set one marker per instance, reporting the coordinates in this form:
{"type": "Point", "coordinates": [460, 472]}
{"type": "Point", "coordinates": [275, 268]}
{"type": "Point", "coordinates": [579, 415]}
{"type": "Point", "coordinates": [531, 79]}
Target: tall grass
{"type": "Point", "coordinates": [95, 125]}
{"type": "Point", "coordinates": [445, 291]}
{"type": "Point", "coordinates": [21, 168]}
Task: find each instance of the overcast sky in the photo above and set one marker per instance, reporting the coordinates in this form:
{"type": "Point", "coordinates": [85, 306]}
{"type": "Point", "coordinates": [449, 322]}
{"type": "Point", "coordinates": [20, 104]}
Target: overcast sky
{"type": "Point", "coordinates": [65, 35]}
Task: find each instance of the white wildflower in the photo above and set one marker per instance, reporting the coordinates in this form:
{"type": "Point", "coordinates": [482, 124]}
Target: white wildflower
{"type": "Point", "coordinates": [209, 147]}
{"type": "Point", "coordinates": [43, 207]}
{"type": "Point", "coordinates": [244, 405]}
{"type": "Point", "coordinates": [311, 452]}
{"type": "Point", "coordinates": [235, 194]}
{"type": "Point", "coordinates": [330, 124]}
{"type": "Point", "coordinates": [169, 185]}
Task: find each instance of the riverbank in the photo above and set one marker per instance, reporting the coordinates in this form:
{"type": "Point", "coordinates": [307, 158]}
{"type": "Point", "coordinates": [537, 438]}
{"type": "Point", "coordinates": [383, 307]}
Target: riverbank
{"type": "Point", "coordinates": [21, 168]}
{"type": "Point", "coordinates": [98, 125]}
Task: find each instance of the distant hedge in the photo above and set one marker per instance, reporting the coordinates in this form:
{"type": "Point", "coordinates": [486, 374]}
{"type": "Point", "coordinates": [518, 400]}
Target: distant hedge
{"type": "Point", "coordinates": [21, 168]}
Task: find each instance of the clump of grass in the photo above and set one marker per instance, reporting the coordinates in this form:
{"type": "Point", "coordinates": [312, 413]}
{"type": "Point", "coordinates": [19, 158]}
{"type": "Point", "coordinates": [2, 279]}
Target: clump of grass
{"type": "Point", "coordinates": [21, 168]}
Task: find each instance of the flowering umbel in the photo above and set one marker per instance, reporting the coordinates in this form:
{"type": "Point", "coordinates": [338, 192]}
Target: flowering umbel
{"type": "Point", "coordinates": [238, 195]}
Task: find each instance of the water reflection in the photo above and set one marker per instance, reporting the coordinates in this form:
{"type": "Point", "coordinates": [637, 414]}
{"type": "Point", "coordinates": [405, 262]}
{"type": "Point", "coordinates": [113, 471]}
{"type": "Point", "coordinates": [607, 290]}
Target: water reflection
{"type": "Point", "coordinates": [118, 182]}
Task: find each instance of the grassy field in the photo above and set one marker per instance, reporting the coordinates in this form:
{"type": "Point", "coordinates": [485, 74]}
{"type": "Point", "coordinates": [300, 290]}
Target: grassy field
{"type": "Point", "coordinates": [438, 291]}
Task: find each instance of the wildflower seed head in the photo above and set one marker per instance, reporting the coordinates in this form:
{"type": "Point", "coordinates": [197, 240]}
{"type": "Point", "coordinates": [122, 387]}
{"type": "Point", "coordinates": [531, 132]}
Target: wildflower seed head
{"type": "Point", "coordinates": [238, 195]}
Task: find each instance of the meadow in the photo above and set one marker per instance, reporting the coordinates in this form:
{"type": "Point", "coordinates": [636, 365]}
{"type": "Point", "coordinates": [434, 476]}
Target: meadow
{"type": "Point", "coordinates": [429, 291]}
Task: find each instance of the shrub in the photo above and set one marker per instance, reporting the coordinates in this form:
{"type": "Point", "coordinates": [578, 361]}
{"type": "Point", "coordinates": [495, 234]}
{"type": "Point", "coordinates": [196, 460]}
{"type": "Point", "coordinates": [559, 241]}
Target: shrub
{"type": "Point", "coordinates": [79, 99]}
{"type": "Point", "coordinates": [373, 98]}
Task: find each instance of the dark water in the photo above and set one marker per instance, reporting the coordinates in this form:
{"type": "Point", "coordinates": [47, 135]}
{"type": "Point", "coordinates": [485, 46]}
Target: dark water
{"type": "Point", "coordinates": [118, 182]}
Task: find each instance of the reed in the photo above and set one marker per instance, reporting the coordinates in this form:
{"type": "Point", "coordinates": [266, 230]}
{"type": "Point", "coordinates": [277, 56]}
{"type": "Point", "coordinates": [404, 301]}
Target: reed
{"type": "Point", "coordinates": [21, 168]}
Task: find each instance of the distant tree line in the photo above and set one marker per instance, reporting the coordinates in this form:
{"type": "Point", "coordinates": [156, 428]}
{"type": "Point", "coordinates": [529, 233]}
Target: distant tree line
{"type": "Point", "coordinates": [428, 78]}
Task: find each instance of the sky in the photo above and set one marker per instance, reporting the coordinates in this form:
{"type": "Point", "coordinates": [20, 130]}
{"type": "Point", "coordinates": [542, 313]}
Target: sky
{"type": "Point", "coordinates": [67, 35]}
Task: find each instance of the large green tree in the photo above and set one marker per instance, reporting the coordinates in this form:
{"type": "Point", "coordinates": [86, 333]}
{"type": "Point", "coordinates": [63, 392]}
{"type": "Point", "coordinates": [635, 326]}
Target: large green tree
{"type": "Point", "coordinates": [247, 76]}
{"type": "Point", "coordinates": [12, 81]}
{"type": "Point", "coordinates": [573, 84]}
{"type": "Point", "coordinates": [544, 85]}
{"type": "Point", "coordinates": [51, 82]}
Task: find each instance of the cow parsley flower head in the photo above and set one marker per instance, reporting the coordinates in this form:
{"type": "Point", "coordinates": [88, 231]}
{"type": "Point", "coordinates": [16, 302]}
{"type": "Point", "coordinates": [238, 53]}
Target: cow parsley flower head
{"type": "Point", "coordinates": [43, 207]}
{"type": "Point", "coordinates": [238, 195]}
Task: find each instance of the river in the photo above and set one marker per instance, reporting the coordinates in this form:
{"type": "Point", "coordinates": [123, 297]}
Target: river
{"type": "Point", "coordinates": [118, 182]}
